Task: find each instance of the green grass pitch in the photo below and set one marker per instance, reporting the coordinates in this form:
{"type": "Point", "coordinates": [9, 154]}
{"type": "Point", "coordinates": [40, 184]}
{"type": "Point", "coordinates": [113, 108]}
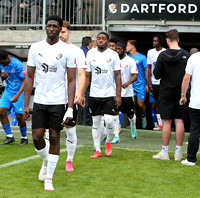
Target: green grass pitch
{"type": "Point", "coordinates": [129, 172]}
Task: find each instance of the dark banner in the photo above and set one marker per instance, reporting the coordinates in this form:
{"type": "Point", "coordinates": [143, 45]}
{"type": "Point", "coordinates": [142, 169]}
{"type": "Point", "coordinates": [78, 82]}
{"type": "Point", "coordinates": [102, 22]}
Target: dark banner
{"type": "Point", "coordinates": [184, 10]}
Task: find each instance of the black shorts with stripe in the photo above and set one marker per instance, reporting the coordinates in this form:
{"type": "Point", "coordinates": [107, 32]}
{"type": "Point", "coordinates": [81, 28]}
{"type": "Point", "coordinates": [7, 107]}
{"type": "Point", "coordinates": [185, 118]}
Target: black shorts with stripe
{"type": "Point", "coordinates": [97, 106]}
{"type": "Point", "coordinates": [48, 116]}
{"type": "Point", "coordinates": [127, 105]}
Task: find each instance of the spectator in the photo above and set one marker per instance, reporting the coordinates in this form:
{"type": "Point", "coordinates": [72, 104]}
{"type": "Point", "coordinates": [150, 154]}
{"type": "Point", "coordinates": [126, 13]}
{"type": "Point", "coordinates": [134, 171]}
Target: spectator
{"type": "Point", "coordinates": [94, 42]}
{"type": "Point", "coordinates": [85, 114]}
{"type": "Point", "coordinates": [23, 8]}
{"type": "Point", "coordinates": [192, 73]}
{"type": "Point", "coordinates": [5, 6]}
{"type": "Point", "coordinates": [86, 44]}
{"type": "Point", "coordinates": [193, 50]}
{"type": "Point", "coordinates": [170, 68]}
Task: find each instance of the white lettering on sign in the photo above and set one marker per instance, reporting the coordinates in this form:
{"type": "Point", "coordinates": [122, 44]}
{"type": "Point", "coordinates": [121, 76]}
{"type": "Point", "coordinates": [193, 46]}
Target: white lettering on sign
{"type": "Point", "coordinates": [124, 8]}
{"type": "Point", "coordinates": [159, 8]}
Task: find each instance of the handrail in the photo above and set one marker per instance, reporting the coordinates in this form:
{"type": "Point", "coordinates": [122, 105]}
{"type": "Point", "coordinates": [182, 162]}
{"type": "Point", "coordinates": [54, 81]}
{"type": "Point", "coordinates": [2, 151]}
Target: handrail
{"type": "Point", "coordinates": [80, 13]}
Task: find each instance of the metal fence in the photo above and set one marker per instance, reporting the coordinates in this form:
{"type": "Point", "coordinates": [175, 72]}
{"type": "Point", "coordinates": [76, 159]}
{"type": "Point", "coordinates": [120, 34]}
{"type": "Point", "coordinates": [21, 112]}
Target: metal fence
{"type": "Point", "coordinates": [80, 13]}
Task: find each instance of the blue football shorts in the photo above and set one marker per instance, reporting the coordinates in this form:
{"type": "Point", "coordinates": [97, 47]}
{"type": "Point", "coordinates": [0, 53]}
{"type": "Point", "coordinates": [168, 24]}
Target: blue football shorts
{"type": "Point", "coordinates": [18, 106]}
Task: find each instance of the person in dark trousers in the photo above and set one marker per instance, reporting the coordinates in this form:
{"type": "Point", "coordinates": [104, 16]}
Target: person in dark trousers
{"type": "Point", "coordinates": [85, 114]}
{"type": "Point", "coordinates": [170, 68]}
{"type": "Point", "coordinates": [192, 76]}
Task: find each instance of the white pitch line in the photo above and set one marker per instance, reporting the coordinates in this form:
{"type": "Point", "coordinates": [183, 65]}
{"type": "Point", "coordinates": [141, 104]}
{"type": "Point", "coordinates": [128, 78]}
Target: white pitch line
{"type": "Point", "coordinates": [63, 150]}
{"type": "Point", "coordinates": [29, 158]}
{"type": "Point", "coordinates": [16, 131]}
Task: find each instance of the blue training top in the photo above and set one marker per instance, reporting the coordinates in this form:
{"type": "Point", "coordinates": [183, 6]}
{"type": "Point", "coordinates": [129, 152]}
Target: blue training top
{"type": "Point", "coordinates": [16, 71]}
{"type": "Point", "coordinates": [141, 63]}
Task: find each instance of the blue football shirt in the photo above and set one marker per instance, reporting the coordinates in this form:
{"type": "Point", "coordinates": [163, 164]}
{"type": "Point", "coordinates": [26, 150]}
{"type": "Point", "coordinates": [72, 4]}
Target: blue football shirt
{"type": "Point", "coordinates": [141, 63]}
{"type": "Point", "coordinates": [16, 72]}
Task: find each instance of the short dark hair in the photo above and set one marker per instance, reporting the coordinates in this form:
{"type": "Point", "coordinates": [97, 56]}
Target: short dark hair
{"type": "Point", "coordinates": [3, 54]}
{"type": "Point", "coordinates": [67, 25]}
{"type": "Point", "coordinates": [86, 40]}
{"type": "Point", "coordinates": [172, 35]}
{"type": "Point", "coordinates": [114, 40]}
{"type": "Point", "coordinates": [160, 38]}
{"type": "Point", "coordinates": [55, 18]}
{"type": "Point", "coordinates": [121, 44]}
{"type": "Point", "coordinates": [133, 42]}
{"type": "Point", "coordinates": [104, 34]}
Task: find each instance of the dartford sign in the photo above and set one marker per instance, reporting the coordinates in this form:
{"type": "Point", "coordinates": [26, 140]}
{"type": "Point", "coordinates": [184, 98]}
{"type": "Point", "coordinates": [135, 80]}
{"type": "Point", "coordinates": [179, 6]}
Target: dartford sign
{"type": "Point", "coordinates": [153, 10]}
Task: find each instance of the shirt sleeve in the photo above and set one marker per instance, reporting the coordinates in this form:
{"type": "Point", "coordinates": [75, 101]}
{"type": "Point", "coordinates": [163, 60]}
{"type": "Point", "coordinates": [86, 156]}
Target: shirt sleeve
{"type": "Point", "coordinates": [80, 58]}
{"type": "Point", "coordinates": [21, 70]}
{"type": "Point", "coordinates": [31, 57]}
{"type": "Point", "coordinates": [71, 58]}
{"type": "Point", "coordinates": [157, 72]}
{"type": "Point", "coordinates": [189, 66]}
{"type": "Point", "coordinates": [149, 61]}
{"type": "Point", "coordinates": [116, 62]}
{"type": "Point", "coordinates": [89, 69]}
{"type": "Point", "coordinates": [133, 67]}
{"type": "Point", "coordinates": [145, 62]}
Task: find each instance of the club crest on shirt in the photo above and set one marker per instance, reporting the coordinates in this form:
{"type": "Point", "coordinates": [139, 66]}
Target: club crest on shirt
{"type": "Point", "coordinates": [12, 71]}
{"type": "Point", "coordinates": [59, 56]}
{"type": "Point", "coordinates": [109, 60]}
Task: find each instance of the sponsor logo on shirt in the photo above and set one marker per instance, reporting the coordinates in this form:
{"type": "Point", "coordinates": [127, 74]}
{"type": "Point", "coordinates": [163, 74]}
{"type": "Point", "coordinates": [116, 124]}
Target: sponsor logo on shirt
{"type": "Point", "coordinates": [98, 70]}
{"type": "Point", "coordinates": [45, 67]}
{"type": "Point", "coordinates": [24, 73]}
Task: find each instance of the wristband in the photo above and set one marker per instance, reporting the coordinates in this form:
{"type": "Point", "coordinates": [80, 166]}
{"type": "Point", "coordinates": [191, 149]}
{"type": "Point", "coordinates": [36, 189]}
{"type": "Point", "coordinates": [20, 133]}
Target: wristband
{"type": "Point", "coordinates": [183, 95]}
{"type": "Point", "coordinates": [68, 114]}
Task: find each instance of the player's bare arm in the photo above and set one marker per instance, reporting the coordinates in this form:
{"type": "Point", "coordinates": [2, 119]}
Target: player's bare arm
{"type": "Point", "coordinates": [184, 88]}
{"type": "Point", "coordinates": [16, 96]}
{"type": "Point", "coordinates": [79, 97]}
{"type": "Point", "coordinates": [28, 86]}
{"type": "Point", "coordinates": [133, 79]}
{"type": "Point", "coordinates": [118, 82]}
{"type": "Point", "coordinates": [71, 76]}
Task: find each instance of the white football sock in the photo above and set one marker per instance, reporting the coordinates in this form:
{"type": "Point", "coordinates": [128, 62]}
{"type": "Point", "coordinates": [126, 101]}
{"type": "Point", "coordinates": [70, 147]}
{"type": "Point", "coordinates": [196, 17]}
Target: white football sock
{"type": "Point", "coordinates": [71, 142]}
{"type": "Point", "coordinates": [96, 132]}
{"type": "Point", "coordinates": [178, 149]}
{"type": "Point", "coordinates": [159, 119]}
{"type": "Point", "coordinates": [47, 139]}
{"type": "Point", "coordinates": [132, 122]}
{"type": "Point", "coordinates": [109, 127]}
{"type": "Point", "coordinates": [51, 165]}
{"type": "Point", "coordinates": [44, 154]}
{"type": "Point", "coordinates": [116, 125]}
{"type": "Point", "coordinates": [102, 127]}
{"type": "Point", "coordinates": [134, 119]}
{"type": "Point", "coordinates": [165, 149]}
